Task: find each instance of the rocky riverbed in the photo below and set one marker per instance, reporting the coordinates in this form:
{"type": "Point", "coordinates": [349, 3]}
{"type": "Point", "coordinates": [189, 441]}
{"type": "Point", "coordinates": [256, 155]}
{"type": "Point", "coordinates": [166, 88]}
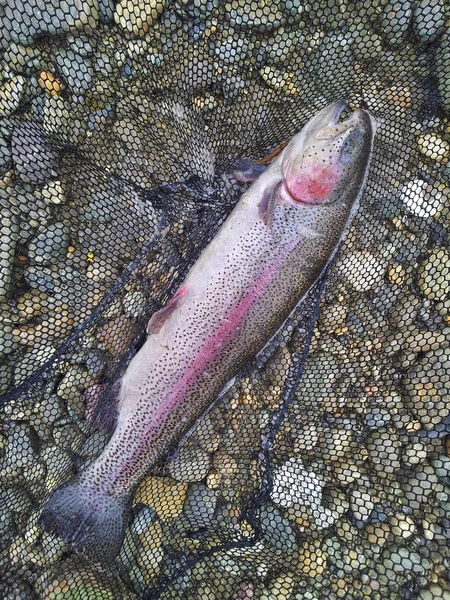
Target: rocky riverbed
{"type": "Point", "coordinates": [99, 103]}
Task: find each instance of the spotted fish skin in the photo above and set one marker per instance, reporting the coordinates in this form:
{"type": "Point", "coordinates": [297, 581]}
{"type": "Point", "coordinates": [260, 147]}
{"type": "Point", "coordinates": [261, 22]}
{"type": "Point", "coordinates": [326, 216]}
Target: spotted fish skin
{"type": "Point", "coordinates": [267, 254]}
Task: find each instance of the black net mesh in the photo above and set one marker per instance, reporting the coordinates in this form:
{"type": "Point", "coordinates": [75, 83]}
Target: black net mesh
{"type": "Point", "coordinates": [323, 471]}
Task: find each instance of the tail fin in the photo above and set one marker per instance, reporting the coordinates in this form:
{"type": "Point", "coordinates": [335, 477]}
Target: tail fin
{"type": "Point", "coordinates": [92, 521]}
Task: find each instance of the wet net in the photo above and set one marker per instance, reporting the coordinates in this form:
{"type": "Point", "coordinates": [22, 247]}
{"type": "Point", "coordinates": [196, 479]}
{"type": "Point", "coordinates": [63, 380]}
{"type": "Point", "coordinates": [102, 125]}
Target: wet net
{"type": "Point", "coordinates": [323, 471]}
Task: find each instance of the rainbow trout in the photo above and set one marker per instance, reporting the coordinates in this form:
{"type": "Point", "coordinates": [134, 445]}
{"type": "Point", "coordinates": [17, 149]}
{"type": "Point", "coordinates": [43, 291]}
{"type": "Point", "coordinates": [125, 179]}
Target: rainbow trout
{"type": "Point", "coordinates": [267, 254]}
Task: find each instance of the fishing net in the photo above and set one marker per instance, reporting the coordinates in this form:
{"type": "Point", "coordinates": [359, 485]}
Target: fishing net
{"type": "Point", "coordinates": [323, 471]}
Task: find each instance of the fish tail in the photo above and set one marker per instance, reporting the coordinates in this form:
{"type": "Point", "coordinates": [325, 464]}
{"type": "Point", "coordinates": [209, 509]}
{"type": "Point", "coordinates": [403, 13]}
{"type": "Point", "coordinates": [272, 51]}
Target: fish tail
{"type": "Point", "coordinates": [91, 520]}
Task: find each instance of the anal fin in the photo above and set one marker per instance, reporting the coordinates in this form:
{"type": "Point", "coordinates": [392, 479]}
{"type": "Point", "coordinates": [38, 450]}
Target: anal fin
{"type": "Point", "coordinates": [158, 319]}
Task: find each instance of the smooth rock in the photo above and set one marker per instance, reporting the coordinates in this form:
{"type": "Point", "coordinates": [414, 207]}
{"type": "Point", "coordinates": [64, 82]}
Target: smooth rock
{"type": "Point", "coordinates": [395, 22]}
{"type": "Point", "coordinates": [434, 592]}
{"type": "Point", "coordinates": [20, 449]}
{"type": "Point", "coordinates": [276, 529]}
{"type": "Point", "coordinates": [76, 577]}
{"type": "Point", "coordinates": [200, 506]}
{"type": "Point", "coordinates": [34, 159]}
{"type": "Point", "coordinates": [31, 362]}
{"type": "Point", "coordinates": [434, 275]}
{"type": "Point", "coordinates": [116, 335]}
{"type": "Point", "coordinates": [137, 16]}
{"type": "Point", "coordinates": [333, 66]}
{"type": "Point", "coordinates": [75, 69]}
{"type": "Point", "coordinates": [8, 235]}
{"type": "Point", "coordinates": [263, 15]}
{"type": "Point", "coordinates": [50, 247]}
{"type": "Point", "coordinates": [384, 451]}
{"type": "Point", "coordinates": [427, 387]}
{"type": "Point", "coordinates": [197, 9]}
{"type": "Point", "coordinates": [362, 270]}
{"type": "Point", "coordinates": [27, 20]}
{"type": "Point", "coordinates": [442, 68]}
{"type": "Point", "coordinates": [5, 153]}
{"type": "Point", "coordinates": [441, 467]}
{"type": "Point", "coordinates": [420, 198]}
{"type": "Point", "coordinates": [312, 560]}
{"type": "Point", "coordinates": [59, 466]}
{"type": "Point", "coordinates": [164, 495]}
{"type": "Point", "coordinates": [419, 486]}
{"type": "Point", "coordinates": [22, 58]}
{"type": "Point", "coordinates": [106, 10]}
{"type": "Point", "coordinates": [433, 146]}
{"type": "Point", "coordinates": [53, 193]}
{"type": "Point", "coordinates": [190, 465]}
{"type": "Point", "coordinates": [11, 93]}
{"type": "Point", "coordinates": [429, 20]}
{"type": "Point", "coordinates": [361, 504]}
{"type": "Point", "coordinates": [293, 484]}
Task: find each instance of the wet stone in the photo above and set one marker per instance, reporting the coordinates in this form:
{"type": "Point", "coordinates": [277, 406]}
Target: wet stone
{"type": "Point", "coordinates": [8, 229]}
{"type": "Point", "coordinates": [30, 362]}
{"type": "Point", "coordinates": [50, 247]}
{"type": "Point", "coordinates": [55, 17]}
{"type": "Point", "coordinates": [5, 153]}
{"type": "Point", "coordinates": [11, 93]}
{"type": "Point", "coordinates": [396, 18]}
{"type": "Point", "coordinates": [20, 449]}
{"type": "Point", "coordinates": [434, 275]}
{"type": "Point", "coordinates": [276, 529]}
{"type": "Point", "coordinates": [362, 270]}
{"type": "Point", "coordinates": [34, 159]}
{"type": "Point", "coordinates": [261, 15]}
{"type": "Point", "coordinates": [190, 465]}
{"type": "Point", "coordinates": [200, 506]}
{"type": "Point", "coordinates": [137, 16]}
{"type": "Point", "coordinates": [429, 20]}
{"type": "Point", "coordinates": [443, 68]}
{"type": "Point", "coordinates": [198, 8]}
{"type": "Point", "coordinates": [75, 69]}
{"type": "Point", "coordinates": [163, 495]}
{"type": "Point", "coordinates": [427, 387]}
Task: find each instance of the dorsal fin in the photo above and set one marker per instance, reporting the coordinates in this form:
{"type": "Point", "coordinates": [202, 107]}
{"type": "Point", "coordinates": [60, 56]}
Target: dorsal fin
{"type": "Point", "coordinates": [159, 318]}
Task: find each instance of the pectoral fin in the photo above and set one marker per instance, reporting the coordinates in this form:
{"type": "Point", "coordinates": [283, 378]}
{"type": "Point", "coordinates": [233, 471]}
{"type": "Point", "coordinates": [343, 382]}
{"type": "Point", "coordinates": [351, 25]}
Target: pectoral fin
{"type": "Point", "coordinates": [159, 318]}
{"type": "Point", "coordinates": [267, 204]}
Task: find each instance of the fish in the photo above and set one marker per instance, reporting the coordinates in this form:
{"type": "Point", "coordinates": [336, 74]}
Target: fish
{"type": "Point", "coordinates": [274, 245]}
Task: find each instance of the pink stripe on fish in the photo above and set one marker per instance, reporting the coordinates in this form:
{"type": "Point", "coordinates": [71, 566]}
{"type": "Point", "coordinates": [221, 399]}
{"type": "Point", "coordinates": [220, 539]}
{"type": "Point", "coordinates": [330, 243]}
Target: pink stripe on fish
{"type": "Point", "coordinates": [214, 344]}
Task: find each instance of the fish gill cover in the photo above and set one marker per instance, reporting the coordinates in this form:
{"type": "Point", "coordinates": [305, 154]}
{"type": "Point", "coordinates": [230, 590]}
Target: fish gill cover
{"type": "Point", "coordinates": [324, 470]}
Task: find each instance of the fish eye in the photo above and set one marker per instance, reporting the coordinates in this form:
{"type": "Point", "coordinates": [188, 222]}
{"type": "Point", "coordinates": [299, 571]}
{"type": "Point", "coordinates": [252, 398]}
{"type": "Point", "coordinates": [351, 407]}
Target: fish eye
{"type": "Point", "coordinates": [350, 147]}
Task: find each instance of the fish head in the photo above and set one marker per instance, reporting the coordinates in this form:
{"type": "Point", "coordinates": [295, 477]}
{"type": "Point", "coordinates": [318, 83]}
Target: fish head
{"type": "Point", "coordinates": [327, 161]}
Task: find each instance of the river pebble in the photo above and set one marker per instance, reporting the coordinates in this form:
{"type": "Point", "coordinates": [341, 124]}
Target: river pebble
{"type": "Point", "coordinates": [420, 198]}
{"type": "Point", "coordinates": [30, 362]}
{"type": "Point", "coordinates": [426, 387]}
{"type": "Point", "coordinates": [434, 275]}
{"type": "Point", "coordinates": [200, 506]}
{"type": "Point", "coordinates": [88, 580]}
{"type": "Point", "coordinates": [137, 16]}
{"type": "Point", "coordinates": [190, 465]}
{"type": "Point", "coordinates": [34, 159]}
{"type": "Point", "coordinates": [429, 20]}
{"type": "Point", "coordinates": [276, 529]}
{"type": "Point", "coordinates": [396, 18]}
{"type": "Point", "coordinates": [433, 146]}
{"type": "Point", "coordinates": [362, 270]}
{"type": "Point", "coordinates": [11, 93]}
{"type": "Point", "coordinates": [163, 495]}
{"type": "Point", "coordinates": [261, 15]}
{"type": "Point", "coordinates": [50, 247]}
{"type": "Point", "coordinates": [8, 230]}
{"type": "Point", "coordinates": [76, 70]}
